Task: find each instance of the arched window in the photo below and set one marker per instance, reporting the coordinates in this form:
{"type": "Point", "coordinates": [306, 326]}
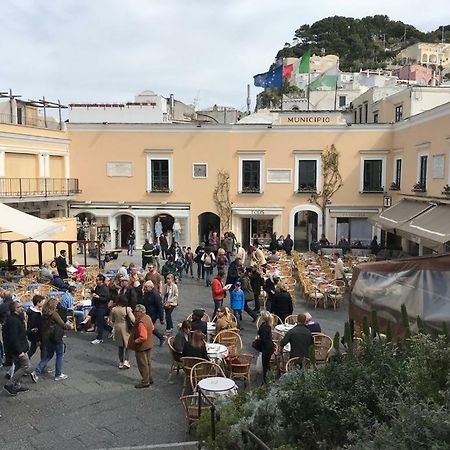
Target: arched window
{"type": "Point", "coordinates": [424, 57]}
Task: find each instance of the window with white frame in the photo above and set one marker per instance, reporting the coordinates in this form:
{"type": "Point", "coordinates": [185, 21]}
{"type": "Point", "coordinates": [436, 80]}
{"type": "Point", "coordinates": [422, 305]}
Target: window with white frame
{"type": "Point", "coordinates": [307, 173]}
{"type": "Point", "coordinates": [200, 170]}
{"type": "Point", "coordinates": [373, 174]}
{"type": "Point", "coordinates": [396, 182]}
{"type": "Point", "coordinates": [422, 172]}
{"type": "Point", "coordinates": [250, 174]}
{"type": "Point", "coordinates": [399, 113]}
{"type": "Point", "coordinates": [159, 172]}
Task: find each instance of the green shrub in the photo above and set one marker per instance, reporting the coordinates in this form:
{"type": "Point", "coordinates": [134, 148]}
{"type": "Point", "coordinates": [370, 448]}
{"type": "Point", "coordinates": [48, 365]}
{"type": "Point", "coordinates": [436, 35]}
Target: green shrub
{"type": "Point", "coordinates": [387, 390]}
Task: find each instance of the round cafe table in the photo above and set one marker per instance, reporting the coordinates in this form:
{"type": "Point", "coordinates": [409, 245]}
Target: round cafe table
{"type": "Point", "coordinates": [284, 327]}
{"type": "Point", "coordinates": [216, 351]}
{"type": "Point", "coordinates": [217, 386]}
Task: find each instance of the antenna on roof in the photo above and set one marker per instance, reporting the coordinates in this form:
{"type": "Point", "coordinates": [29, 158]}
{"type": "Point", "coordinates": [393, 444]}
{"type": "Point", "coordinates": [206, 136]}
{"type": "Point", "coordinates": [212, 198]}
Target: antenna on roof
{"type": "Point", "coordinates": [196, 100]}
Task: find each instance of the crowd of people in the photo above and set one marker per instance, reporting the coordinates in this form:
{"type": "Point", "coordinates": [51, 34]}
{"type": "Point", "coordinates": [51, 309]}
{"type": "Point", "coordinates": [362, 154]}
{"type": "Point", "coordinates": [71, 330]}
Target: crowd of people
{"type": "Point", "coordinates": [127, 304]}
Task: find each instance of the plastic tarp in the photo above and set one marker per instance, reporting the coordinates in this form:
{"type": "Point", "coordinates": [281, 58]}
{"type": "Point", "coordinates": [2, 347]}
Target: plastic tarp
{"type": "Point", "coordinates": [28, 226]}
{"type": "Point", "coordinates": [422, 284]}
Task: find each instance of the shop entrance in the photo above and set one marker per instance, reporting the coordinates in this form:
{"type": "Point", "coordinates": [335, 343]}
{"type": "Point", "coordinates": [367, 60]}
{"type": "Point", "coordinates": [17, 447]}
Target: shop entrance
{"type": "Point", "coordinates": [256, 231]}
{"type": "Point", "coordinates": [126, 227]}
{"type": "Point", "coordinates": [305, 230]}
{"type": "Point", "coordinates": [208, 222]}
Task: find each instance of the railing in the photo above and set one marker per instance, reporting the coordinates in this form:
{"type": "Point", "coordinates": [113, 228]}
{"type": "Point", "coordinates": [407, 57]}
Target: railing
{"type": "Point", "coordinates": [38, 187]}
{"type": "Point", "coordinates": [50, 123]}
{"type": "Point", "coordinates": [246, 434]}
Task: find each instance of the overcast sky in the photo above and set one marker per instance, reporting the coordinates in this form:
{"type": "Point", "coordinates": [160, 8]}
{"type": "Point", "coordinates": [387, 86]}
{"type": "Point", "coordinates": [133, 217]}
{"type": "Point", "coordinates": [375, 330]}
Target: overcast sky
{"type": "Point", "coordinates": [110, 50]}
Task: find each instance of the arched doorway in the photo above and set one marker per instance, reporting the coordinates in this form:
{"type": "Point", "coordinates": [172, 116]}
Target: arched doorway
{"type": "Point", "coordinates": [167, 222]}
{"type": "Point", "coordinates": [207, 223]}
{"type": "Point", "coordinates": [305, 225]}
{"type": "Point", "coordinates": [125, 227]}
{"type": "Point", "coordinates": [87, 222]}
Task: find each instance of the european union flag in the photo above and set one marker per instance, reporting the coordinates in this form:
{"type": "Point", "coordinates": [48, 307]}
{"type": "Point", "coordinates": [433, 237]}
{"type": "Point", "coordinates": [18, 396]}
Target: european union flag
{"type": "Point", "coordinates": [271, 79]}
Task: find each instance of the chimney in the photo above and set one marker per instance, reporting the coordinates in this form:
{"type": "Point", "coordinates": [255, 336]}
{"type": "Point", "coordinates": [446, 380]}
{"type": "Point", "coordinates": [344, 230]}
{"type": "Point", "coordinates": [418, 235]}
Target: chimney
{"type": "Point", "coordinates": [171, 106]}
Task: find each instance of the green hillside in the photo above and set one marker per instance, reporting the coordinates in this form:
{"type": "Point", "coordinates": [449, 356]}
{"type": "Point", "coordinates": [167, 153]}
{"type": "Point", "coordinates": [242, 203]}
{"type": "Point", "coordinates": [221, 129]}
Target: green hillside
{"type": "Point", "coordinates": [360, 43]}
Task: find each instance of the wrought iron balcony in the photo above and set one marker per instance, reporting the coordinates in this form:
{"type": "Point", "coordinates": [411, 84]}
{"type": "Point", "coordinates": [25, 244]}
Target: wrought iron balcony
{"type": "Point", "coordinates": [38, 187]}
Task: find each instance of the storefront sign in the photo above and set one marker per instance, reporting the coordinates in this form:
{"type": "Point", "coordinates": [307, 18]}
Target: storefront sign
{"type": "Point", "coordinates": [352, 213]}
{"type": "Point", "coordinates": [257, 212]}
{"type": "Point", "coordinates": [311, 119]}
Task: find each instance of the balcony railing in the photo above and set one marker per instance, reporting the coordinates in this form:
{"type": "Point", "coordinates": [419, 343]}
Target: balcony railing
{"type": "Point", "coordinates": [36, 122]}
{"type": "Point", "coordinates": [38, 187]}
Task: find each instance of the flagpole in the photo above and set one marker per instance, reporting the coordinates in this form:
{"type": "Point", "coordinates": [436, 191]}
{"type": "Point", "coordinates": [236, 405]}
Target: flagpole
{"type": "Point", "coordinates": [335, 86]}
{"type": "Point", "coordinates": [282, 81]}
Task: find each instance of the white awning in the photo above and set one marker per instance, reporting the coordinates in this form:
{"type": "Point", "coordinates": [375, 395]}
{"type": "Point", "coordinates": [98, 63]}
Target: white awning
{"type": "Point", "coordinates": [13, 220]}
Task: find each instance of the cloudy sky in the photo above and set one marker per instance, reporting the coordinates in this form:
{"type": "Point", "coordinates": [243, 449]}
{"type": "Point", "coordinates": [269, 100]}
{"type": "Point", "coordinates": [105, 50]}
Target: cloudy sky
{"type": "Point", "coordinates": [110, 50]}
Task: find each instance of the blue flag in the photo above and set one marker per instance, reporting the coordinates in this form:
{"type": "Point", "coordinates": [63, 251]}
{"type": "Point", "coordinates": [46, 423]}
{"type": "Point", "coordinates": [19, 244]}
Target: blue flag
{"type": "Point", "coordinates": [271, 79]}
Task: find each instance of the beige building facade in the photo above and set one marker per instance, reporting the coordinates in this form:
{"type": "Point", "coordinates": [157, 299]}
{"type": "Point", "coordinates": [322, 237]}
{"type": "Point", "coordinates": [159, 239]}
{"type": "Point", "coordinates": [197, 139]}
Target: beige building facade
{"type": "Point", "coordinates": [35, 172]}
{"type": "Point", "coordinates": [133, 175]}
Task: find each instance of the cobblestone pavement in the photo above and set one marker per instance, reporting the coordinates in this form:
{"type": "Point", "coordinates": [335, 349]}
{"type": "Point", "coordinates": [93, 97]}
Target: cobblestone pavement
{"type": "Point", "coordinates": [98, 406]}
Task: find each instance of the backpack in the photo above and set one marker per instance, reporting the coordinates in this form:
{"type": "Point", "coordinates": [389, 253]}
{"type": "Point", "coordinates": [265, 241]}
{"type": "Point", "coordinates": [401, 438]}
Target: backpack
{"type": "Point", "coordinates": [221, 261]}
{"type": "Point", "coordinates": [208, 260]}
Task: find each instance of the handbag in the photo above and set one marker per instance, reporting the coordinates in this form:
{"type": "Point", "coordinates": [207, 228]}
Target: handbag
{"type": "Point", "coordinates": [166, 304]}
{"type": "Point", "coordinates": [128, 321]}
{"type": "Point", "coordinates": [256, 344]}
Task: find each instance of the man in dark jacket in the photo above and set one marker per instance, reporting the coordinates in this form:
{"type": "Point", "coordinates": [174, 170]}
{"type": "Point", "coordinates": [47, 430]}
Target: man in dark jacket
{"type": "Point", "coordinates": [300, 339]}
{"type": "Point", "coordinates": [234, 270]}
{"type": "Point", "coordinates": [153, 306]}
{"type": "Point", "coordinates": [197, 323]}
{"type": "Point", "coordinates": [288, 244]}
{"type": "Point", "coordinates": [148, 250]}
{"type": "Point", "coordinates": [100, 299]}
{"type": "Point", "coordinates": [128, 291]}
{"type": "Point", "coordinates": [61, 264]}
{"type": "Point", "coordinates": [164, 246]}
{"type": "Point", "coordinates": [16, 337]}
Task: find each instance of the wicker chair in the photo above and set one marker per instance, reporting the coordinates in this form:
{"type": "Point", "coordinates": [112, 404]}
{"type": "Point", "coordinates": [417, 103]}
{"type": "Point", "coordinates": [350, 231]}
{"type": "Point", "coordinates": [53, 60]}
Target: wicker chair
{"type": "Point", "coordinates": [176, 359]}
{"type": "Point", "coordinates": [337, 297]}
{"type": "Point", "coordinates": [205, 317]}
{"type": "Point", "coordinates": [277, 336]}
{"type": "Point", "coordinates": [188, 363]}
{"type": "Point", "coordinates": [231, 339]}
{"type": "Point", "coordinates": [27, 297]}
{"type": "Point", "coordinates": [202, 370]}
{"type": "Point", "coordinates": [44, 289]}
{"type": "Point", "coordinates": [315, 295]}
{"type": "Point", "coordinates": [291, 320]}
{"type": "Point", "coordinates": [190, 405]}
{"type": "Point", "coordinates": [282, 360]}
{"type": "Point", "coordinates": [293, 363]}
{"type": "Point", "coordinates": [323, 345]}
{"type": "Point", "coordinates": [240, 366]}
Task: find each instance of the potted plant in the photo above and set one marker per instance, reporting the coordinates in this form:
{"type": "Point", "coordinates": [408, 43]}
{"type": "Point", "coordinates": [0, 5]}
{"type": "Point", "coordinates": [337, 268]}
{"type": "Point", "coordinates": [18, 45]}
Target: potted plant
{"type": "Point", "coordinates": [307, 188]}
{"type": "Point", "coordinates": [419, 187]}
{"type": "Point", "coordinates": [394, 186]}
{"type": "Point", "coordinates": [446, 190]}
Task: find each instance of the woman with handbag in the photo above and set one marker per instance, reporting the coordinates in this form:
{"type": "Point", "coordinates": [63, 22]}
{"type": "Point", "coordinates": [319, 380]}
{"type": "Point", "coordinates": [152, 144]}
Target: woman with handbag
{"type": "Point", "coordinates": [264, 342]}
{"type": "Point", "coordinates": [53, 328]}
{"type": "Point", "coordinates": [122, 319]}
{"type": "Point", "coordinates": [170, 301]}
